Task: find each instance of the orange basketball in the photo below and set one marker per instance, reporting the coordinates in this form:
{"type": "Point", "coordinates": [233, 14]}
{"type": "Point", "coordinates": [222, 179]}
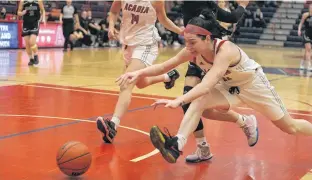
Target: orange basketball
{"type": "Point", "coordinates": [73, 158]}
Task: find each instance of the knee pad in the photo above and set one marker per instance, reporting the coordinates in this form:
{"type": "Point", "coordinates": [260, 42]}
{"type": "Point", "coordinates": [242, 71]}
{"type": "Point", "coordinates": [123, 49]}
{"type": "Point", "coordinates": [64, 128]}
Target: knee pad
{"type": "Point", "coordinates": [186, 89]}
{"type": "Point", "coordinates": [200, 125]}
{"type": "Point", "coordinates": [194, 70]}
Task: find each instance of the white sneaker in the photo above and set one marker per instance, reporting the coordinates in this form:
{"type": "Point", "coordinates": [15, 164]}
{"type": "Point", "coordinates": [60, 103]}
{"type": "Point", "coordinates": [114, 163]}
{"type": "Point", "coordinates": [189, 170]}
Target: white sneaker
{"type": "Point", "coordinates": [251, 130]}
{"type": "Point", "coordinates": [302, 65]}
{"type": "Point", "coordinates": [309, 66]}
{"type": "Point", "coordinates": [202, 153]}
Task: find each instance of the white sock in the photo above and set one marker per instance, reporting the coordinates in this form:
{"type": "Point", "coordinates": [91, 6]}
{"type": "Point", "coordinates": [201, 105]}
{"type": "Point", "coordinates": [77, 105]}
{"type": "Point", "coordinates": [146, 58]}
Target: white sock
{"type": "Point", "coordinates": [202, 141]}
{"type": "Point", "coordinates": [167, 78]}
{"type": "Point", "coordinates": [240, 121]}
{"type": "Point", "coordinates": [116, 120]}
{"type": "Point", "coordinates": [181, 141]}
{"type": "Point", "coordinates": [30, 56]}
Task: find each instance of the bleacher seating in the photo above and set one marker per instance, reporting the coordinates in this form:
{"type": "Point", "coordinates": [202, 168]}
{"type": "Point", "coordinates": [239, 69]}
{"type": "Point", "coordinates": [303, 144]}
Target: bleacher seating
{"type": "Point", "coordinates": [251, 35]}
{"type": "Point", "coordinates": [293, 40]}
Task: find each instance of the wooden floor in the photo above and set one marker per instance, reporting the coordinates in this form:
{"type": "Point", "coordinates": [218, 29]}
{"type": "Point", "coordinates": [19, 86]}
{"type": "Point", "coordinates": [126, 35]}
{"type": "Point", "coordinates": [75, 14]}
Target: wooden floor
{"type": "Point", "coordinates": [43, 107]}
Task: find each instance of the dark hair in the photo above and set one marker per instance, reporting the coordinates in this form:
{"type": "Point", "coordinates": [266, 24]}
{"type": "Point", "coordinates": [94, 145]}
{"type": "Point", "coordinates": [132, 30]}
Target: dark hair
{"type": "Point", "coordinates": [208, 21]}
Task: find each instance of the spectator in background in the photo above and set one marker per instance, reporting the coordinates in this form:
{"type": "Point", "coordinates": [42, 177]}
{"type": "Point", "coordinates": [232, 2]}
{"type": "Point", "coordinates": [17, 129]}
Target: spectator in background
{"type": "Point", "coordinates": [95, 29]}
{"type": "Point", "coordinates": [222, 4]}
{"type": "Point", "coordinates": [164, 34]}
{"type": "Point", "coordinates": [270, 3]}
{"type": "Point", "coordinates": [68, 12]}
{"type": "Point", "coordinates": [81, 35]}
{"type": "Point", "coordinates": [3, 13]}
{"type": "Point", "coordinates": [84, 26]}
{"type": "Point", "coordinates": [104, 32]}
{"type": "Point", "coordinates": [258, 20]}
{"type": "Point", "coordinates": [248, 18]}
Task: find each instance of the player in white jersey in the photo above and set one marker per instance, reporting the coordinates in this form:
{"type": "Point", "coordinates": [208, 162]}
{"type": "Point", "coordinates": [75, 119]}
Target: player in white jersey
{"type": "Point", "coordinates": [232, 78]}
{"type": "Point", "coordinates": [140, 38]}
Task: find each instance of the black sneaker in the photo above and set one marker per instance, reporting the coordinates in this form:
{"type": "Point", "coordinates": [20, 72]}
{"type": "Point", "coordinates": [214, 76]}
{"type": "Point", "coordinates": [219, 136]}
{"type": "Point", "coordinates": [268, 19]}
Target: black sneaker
{"type": "Point", "coordinates": [107, 128]}
{"type": "Point", "coordinates": [173, 75]}
{"type": "Point", "coordinates": [168, 146]}
{"type": "Point", "coordinates": [36, 60]}
{"type": "Point", "coordinates": [31, 62]}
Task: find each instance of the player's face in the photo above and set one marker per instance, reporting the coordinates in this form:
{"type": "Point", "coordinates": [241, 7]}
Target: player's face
{"type": "Point", "coordinates": [68, 2]}
{"type": "Point", "coordinates": [221, 4]}
{"type": "Point", "coordinates": [194, 44]}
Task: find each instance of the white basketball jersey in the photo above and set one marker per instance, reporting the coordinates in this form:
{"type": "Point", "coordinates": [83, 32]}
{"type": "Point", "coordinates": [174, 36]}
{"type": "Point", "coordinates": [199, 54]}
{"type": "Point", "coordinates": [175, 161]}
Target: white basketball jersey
{"type": "Point", "coordinates": [239, 74]}
{"type": "Point", "coordinates": [138, 23]}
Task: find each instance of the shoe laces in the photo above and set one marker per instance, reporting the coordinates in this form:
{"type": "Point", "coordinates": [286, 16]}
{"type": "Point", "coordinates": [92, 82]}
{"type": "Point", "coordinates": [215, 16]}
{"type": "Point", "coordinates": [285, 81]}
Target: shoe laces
{"type": "Point", "coordinates": [167, 132]}
{"type": "Point", "coordinates": [246, 130]}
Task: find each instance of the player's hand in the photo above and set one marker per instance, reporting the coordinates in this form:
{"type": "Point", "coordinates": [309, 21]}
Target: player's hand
{"type": "Point", "coordinates": [24, 12]}
{"type": "Point", "coordinates": [182, 31]}
{"type": "Point", "coordinates": [299, 33]}
{"type": "Point", "coordinates": [44, 21]}
{"type": "Point", "coordinates": [112, 34]}
{"type": "Point", "coordinates": [243, 3]}
{"type": "Point", "coordinates": [168, 103]}
{"type": "Point", "coordinates": [127, 78]}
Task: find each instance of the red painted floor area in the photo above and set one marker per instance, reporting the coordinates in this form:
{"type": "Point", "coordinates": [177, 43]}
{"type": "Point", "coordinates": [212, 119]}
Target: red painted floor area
{"type": "Point", "coordinates": [31, 155]}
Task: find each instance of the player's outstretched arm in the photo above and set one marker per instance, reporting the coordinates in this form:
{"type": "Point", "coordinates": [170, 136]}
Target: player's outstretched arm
{"type": "Point", "coordinates": [163, 19]}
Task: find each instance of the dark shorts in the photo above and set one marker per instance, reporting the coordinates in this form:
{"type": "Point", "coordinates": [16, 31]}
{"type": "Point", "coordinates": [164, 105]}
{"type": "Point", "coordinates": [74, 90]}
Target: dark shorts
{"type": "Point", "coordinates": [307, 37]}
{"type": "Point", "coordinates": [30, 28]}
{"type": "Point", "coordinates": [194, 70]}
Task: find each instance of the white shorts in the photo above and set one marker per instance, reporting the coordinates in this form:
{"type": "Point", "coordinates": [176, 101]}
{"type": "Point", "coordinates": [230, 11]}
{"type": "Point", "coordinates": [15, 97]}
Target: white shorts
{"type": "Point", "coordinates": [258, 95]}
{"type": "Point", "coordinates": [147, 53]}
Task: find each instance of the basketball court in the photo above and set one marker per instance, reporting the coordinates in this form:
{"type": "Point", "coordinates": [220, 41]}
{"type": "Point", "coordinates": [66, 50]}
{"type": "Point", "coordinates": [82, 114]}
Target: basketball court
{"type": "Point", "coordinates": [46, 106]}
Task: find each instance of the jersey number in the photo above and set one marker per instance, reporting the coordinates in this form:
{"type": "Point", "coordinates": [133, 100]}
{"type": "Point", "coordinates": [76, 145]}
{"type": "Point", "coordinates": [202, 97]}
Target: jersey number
{"type": "Point", "coordinates": [135, 19]}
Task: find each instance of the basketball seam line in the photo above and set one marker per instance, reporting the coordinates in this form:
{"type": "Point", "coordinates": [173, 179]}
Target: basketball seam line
{"type": "Point", "coordinates": [74, 169]}
{"type": "Point", "coordinates": [74, 158]}
{"type": "Point", "coordinates": [67, 150]}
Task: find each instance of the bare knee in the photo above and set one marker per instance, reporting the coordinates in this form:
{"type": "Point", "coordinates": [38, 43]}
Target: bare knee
{"type": "Point", "coordinates": [127, 87]}
{"type": "Point", "coordinates": [287, 125]}
{"type": "Point", "coordinates": [291, 129]}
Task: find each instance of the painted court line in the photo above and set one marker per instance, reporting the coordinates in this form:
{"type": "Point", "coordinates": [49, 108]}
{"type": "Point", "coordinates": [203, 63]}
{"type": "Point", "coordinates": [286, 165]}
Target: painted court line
{"type": "Point", "coordinates": [93, 92]}
{"type": "Point", "coordinates": [136, 96]}
{"type": "Point", "coordinates": [140, 158]}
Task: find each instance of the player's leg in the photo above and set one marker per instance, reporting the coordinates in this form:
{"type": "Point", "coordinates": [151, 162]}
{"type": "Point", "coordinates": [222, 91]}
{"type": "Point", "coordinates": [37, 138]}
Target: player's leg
{"type": "Point", "coordinates": [34, 47]}
{"type": "Point", "coordinates": [28, 50]}
{"type": "Point", "coordinates": [220, 99]}
{"type": "Point", "coordinates": [26, 36]}
{"type": "Point", "coordinates": [109, 127]}
{"type": "Point", "coordinates": [263, 98]}
{"type": "Point", "coordinates": [305, 63]}
{"type": "Point", "coordinates": [192, 78]}
{"type": "Point", "coordinates": [170, 147]}
{"type": "Point", "coordinates": [33, 41]}
{"type": "Point", "coordinates": [140, 57]}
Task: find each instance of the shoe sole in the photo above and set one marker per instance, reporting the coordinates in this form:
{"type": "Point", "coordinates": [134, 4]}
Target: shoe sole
{"type": "Point", "coordinates": [199, 160]}
{"type": "Point", "coordinates": [253, 144]}
{"type": "Point", "coordinates": [158, 141]}
{"type": "Point", "coordinates": [102, 127]}
{"type": "Point", "coordinates": [256, 139]}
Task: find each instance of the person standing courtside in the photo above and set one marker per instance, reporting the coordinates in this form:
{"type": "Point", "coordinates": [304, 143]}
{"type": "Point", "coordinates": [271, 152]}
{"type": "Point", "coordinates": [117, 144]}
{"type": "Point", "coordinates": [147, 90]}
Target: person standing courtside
{"type": "Point", "coordinates": [68, 13]}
